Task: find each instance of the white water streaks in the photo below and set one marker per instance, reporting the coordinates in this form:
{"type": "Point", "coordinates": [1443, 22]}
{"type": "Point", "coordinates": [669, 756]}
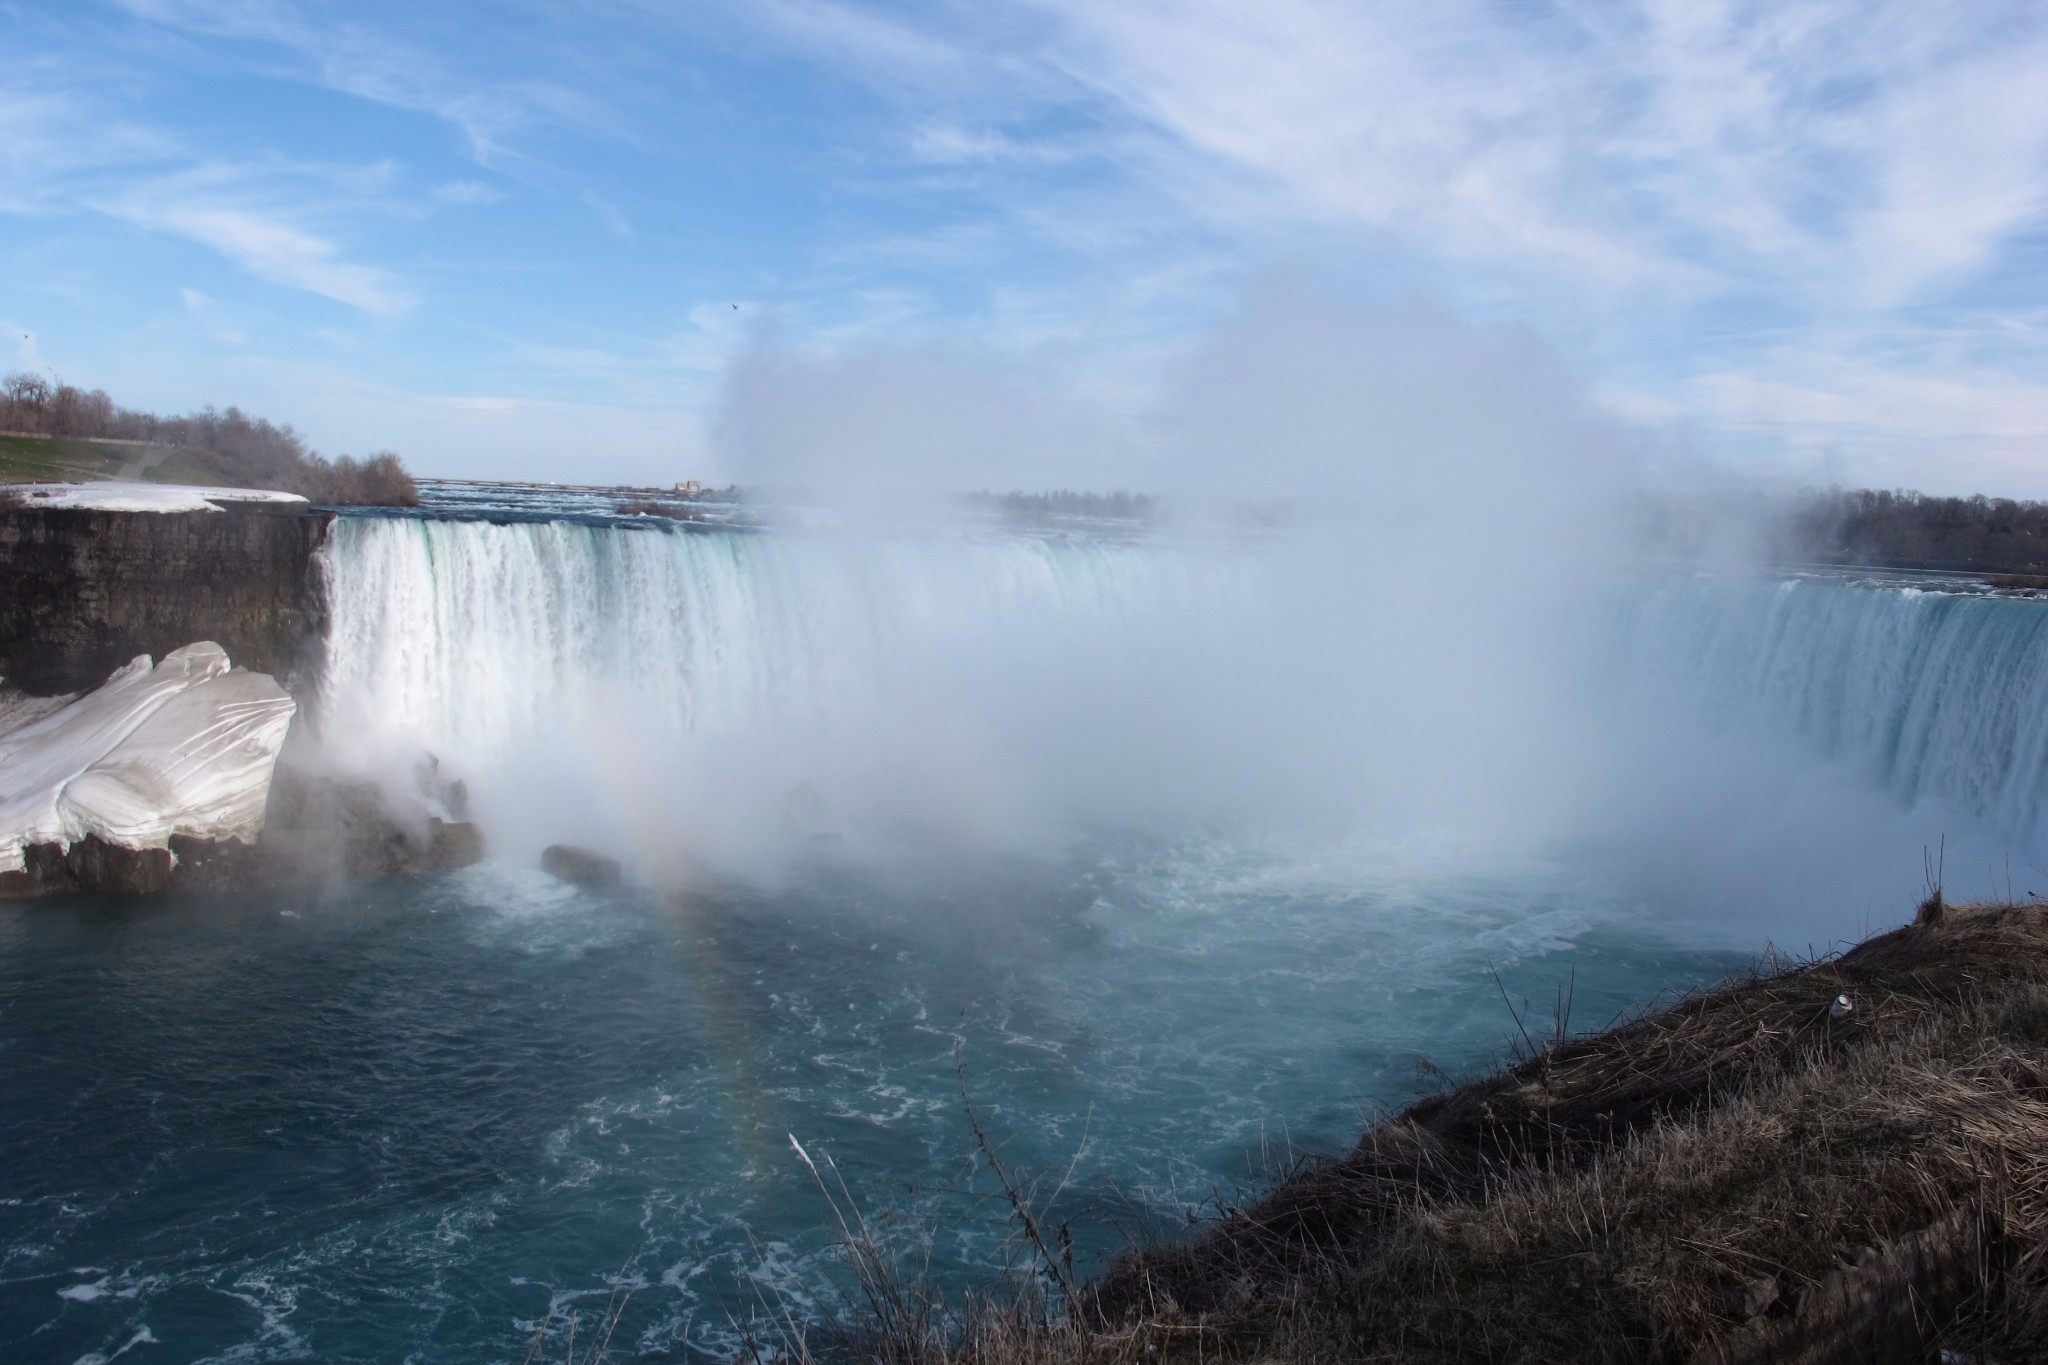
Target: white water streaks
{"type": "Point", "coordinates": [185, 747]}
{"type": "Point", "coordinates": [1932, 694]}
{"type": "Point", "coordinates": [1801, 757]}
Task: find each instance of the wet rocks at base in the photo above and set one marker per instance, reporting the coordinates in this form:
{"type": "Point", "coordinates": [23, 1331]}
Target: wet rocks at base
{"type": "Point", "coordinates": [324, 828]}
{"type": "Point", "coordinates": [168, 777]}
{"type": "Point", "coordinates": [318, 829]}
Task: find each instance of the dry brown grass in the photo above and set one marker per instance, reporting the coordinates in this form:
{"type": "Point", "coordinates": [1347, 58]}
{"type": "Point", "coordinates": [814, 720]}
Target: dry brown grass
{"type": "Point", "coordinates": [1744, 1176]}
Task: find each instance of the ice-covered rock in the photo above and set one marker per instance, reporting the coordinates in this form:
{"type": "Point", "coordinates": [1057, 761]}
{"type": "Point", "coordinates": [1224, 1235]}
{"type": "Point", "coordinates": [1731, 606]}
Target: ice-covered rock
{"type": "Point", "coordinates": [186, 747]}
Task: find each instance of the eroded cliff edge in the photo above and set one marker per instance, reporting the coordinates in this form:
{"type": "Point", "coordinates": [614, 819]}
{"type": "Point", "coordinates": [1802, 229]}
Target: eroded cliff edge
{"type": "Point", "coordinates": [83, 591]}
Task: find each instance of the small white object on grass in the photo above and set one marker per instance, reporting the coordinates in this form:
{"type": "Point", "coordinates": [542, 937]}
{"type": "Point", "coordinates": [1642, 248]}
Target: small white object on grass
{"type": "Point", "coordinates": [1842, 1007]}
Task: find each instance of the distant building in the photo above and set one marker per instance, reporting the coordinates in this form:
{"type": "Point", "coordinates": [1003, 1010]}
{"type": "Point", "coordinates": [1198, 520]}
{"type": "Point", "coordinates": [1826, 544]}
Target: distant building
{"type": "Point", "coordinates": [690, 488]}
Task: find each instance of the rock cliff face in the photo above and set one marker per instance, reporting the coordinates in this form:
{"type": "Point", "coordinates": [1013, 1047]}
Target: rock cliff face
{"type": "Point", "coordinates": [83, 591]}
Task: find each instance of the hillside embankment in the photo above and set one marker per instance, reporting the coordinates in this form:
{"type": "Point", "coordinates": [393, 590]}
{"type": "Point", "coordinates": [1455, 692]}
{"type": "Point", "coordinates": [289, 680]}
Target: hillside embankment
{"type": "Point", "coordinates": [1844, 1160]}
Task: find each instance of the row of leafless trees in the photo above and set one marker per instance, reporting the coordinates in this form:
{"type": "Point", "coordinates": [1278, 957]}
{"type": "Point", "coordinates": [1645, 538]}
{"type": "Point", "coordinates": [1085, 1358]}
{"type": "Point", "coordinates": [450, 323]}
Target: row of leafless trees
{"type": "Point", "coordinates": [1915, 531]}
{"type": "Point", "coordinates": [237, 449]}
{"type": "Point", "coordinates": [1020, 506]}
{"type": "Point", "coordinates": [31, 403]}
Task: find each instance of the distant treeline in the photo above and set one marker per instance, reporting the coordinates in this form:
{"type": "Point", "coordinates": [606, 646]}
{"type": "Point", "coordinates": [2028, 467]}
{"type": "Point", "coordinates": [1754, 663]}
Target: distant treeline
{"type": "Point", "coordinates": [231, 446]}
{"type": "Point", "coordinates": [1034, 508]}
{"type": "Point", "coordinates": [1913, 531]}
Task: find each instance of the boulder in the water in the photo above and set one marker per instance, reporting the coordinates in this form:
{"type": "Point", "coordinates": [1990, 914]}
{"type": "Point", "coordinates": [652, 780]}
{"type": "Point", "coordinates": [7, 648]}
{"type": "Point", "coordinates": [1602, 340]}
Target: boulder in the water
{"type": "Point", "coordinates": [453, 843]}
{"type": "Point", "coordinates": [580, 866]}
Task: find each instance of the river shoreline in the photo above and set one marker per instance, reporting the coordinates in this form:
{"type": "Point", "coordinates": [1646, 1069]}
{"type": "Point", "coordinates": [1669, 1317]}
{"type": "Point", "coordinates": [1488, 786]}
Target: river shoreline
{"type": "Point", "coordinates": [1837, 1160]}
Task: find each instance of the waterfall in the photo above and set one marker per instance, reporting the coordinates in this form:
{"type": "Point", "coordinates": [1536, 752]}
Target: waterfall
{"type": "Point", "coordinates": [723, 671]}
{"type": "Point", "coordinates": [729, 689]}
{"type": "Point", "coordinates": [1934, 695]}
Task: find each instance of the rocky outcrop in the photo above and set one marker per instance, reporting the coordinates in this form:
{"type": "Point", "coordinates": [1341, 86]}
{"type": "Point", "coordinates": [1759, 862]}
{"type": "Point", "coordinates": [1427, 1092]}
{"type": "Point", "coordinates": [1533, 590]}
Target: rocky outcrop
{"type": "Point", "coordinates": [580, 866]}
{"type": "Point", "coordinates": [83, 591]}
{"type": "Point", "coordinates": [168, 777]}
{"type": "Point", "coordinates": [91, 864]}
{"type": "Point", "coordinates": [320, 829]}
{"type": "Point", "coordinates": [102, 866]}
{"type": "Point", "coordinates": [316, 830]}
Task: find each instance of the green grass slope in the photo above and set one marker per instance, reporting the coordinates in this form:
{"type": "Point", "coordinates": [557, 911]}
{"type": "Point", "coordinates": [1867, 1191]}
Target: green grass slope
{"type": "Point", "coordinates": [28, 459]}
{"type": "Point", "coordinates": [25, 459]}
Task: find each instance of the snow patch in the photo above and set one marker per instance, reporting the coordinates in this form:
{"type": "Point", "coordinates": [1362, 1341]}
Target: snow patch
{"type": "Point", "coordinates": [185, 747]}
{"type": "Point", "coordinates": [117, 495]}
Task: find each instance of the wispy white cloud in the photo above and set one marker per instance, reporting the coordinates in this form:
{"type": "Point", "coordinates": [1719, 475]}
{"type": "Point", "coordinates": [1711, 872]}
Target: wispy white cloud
{"type": "Point", "coordinates": [865, 42]}
{"type": "Point", "coordinates": [274, 250]}
{"type": "Point", "coordinates": [1839, 419]}
{"type": "Point", "coordinates": [1732, 210]}
{"type": "Point", "coordinates": [227, 209]}
{"type": "Point", "coordinates": [1851, 152]}
{"type": "Point", "coordinates": [465, 192]}
{"type": "Point", "coordinates": [64, 151]}
{"type": "Point", "coordinates": [208, 318]}
{"type": "Point", "coordinates": [51, 135]}
{"type": "Point", "coordinates": [1740, 187]}
{"type": "Point", "coordinates": [372, 63]}
{"type": "Point", "coordinates": [1903, 403]}
{"type": "Point", "coordinates": [954, 144]}
{"type": "Point", "coordinates": [1964, 163]}
{"type": "Point", "coordinates": [614, 219]}
{"type": "Point", "coordinates": [1799, 144]}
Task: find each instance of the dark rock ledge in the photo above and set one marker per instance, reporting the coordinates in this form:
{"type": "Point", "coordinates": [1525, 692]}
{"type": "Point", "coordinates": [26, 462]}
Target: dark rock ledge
{"type": "Point", "coordinates": [316, 830]}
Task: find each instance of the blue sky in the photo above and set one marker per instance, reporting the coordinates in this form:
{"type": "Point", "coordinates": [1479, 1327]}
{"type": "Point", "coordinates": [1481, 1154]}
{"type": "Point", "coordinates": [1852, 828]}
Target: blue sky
{"type": "Point", "coordinates": [536, 239]}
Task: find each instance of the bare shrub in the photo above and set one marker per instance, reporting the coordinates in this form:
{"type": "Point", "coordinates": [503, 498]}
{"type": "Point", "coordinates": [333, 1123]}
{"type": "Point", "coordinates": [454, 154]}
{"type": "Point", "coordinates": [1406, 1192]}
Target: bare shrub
{"type": "Point", "coordinates": [376, 480]}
